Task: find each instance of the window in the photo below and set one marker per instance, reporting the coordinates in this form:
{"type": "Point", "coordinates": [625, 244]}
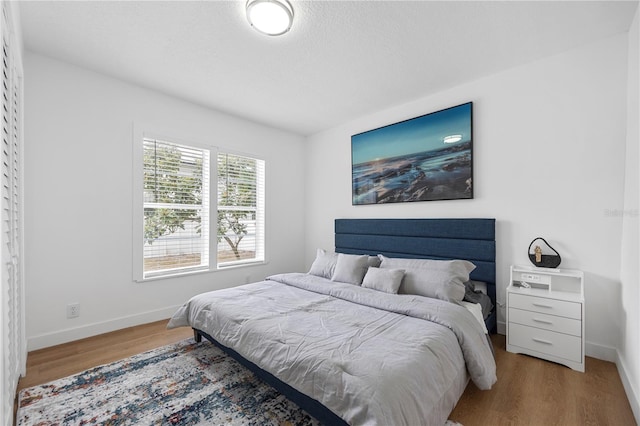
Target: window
{"type": "Point", "coordinates": [240, 209]}
{"type": "Point", "coordinates": [176, 208]}
{"type": "Point", "coordinates": [176, 204]}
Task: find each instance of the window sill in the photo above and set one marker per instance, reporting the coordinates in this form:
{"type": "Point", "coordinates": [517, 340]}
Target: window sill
{"type": "Point", "coordinates": [202, 271]}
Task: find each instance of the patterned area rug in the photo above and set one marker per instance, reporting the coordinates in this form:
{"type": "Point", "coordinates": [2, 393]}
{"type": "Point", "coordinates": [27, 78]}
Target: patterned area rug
{"type": "Point", "coordinates": [183, 384]}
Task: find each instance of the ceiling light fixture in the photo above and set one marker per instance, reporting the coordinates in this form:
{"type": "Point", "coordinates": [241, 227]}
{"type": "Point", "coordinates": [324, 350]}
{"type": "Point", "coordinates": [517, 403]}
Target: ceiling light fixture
{"type": "Point", "coordinates": [452, 138]}
{"type": "Point", "coordinates": [270, 17]}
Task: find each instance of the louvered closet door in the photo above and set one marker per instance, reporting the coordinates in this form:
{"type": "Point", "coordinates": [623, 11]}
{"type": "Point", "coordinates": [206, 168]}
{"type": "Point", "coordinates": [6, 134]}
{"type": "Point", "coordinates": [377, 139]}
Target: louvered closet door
{"type": "Point", "coordinates": [13, 346]}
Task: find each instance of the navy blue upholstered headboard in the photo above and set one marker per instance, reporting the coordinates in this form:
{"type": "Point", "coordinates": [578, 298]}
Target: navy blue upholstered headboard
{"type": "Point", "coordinates": [468, 239]}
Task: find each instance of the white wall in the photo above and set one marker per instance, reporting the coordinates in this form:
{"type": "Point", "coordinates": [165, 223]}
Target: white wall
{"type": "Point", "coordinates": [629, 347]}
{"type": "Point", "coordinates": [78, 201]}
{"type": "Point", "coordinates": [549, 146]}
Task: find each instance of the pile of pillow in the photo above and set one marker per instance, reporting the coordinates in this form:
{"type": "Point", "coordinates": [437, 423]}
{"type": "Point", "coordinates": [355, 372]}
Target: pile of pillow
{"type": "Point", "coordinates": [440, 279]}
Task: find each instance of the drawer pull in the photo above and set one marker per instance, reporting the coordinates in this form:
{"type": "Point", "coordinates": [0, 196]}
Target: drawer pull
{"type": "Point", "coordinates": [546, 342]}
{"type": "Point", "coordinates": [540, 305]}
{"type": "Point", "coordinates": [542, 321]}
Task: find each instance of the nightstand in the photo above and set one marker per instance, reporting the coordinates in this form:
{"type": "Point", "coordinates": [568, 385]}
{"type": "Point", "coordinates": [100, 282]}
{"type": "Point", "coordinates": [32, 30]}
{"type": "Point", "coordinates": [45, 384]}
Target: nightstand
{"type": "Point", "coordinates": [546, 319]}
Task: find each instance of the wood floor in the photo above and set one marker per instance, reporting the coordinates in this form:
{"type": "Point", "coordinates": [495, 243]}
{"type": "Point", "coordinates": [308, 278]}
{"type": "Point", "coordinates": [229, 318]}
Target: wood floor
{"type": "Point", "coordinates": [529, 391]}
{"type": "Point", "coordinates": [64, 360]}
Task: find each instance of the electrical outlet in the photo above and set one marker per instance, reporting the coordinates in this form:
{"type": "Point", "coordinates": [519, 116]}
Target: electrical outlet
{"type": "Point", "coordinates": [73, 310]}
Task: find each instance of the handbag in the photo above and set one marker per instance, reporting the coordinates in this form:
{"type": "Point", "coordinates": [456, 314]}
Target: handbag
{"type": "Point", "coordinates": [543, 260]}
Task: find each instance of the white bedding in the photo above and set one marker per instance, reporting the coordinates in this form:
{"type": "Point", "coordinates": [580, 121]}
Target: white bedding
{"type": "Point", "coordinates": [476, 310]}
{"type": "Point", "coordinates": [370, 357]}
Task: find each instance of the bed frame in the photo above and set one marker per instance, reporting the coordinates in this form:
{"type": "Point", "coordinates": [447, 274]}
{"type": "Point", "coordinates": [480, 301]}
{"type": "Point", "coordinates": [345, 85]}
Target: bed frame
{"type": "Point", "coordinates": [468, 239]}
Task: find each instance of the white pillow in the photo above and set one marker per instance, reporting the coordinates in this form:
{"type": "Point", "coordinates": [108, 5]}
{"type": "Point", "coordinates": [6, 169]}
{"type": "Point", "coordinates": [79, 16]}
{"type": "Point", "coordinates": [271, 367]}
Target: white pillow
{"type": "Point", "coordinates": [439, 279]}
{"type": "Point", "coordinates": [387, 280]}
{"type": "Point", "coordinates": [324, 264]}
{"type": "Point", "coordinates": [350, 268]}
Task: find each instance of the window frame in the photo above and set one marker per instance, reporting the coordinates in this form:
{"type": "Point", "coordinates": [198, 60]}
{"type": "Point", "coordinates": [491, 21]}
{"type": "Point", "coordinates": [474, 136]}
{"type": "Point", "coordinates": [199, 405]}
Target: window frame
{"type": "Point", "coordinates": [139, 134]}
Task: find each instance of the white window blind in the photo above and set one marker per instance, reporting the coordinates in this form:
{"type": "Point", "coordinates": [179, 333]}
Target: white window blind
{"type": "Point", "coordinates": [241, 213]}
{"type": "Point", "coordinates": [13, 347]}
{"type": "Point", "coordinates": [176, 208]}
{"type": "Point", "coordinates": [176, 204]}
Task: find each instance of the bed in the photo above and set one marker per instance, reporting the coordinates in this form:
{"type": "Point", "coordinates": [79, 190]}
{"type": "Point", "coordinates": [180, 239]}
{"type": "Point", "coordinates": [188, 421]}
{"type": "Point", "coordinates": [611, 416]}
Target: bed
{"type": "Point", "coordinates": [362, 354]}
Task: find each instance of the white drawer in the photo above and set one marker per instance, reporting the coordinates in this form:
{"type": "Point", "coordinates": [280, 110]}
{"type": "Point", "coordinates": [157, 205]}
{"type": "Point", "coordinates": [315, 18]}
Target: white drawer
{"type": "Point", "coordinates": [546, 342]}
{"type": "Point", "coordinates": [547, 322]}
{"type": "Point", "coordinates": [546, 306]}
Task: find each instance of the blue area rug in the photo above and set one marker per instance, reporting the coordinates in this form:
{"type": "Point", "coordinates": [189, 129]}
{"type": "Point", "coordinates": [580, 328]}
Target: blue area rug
{"type": "Point", "coordinates": [183, 384]}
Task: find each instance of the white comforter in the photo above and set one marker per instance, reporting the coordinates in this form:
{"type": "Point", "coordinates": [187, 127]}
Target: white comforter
{"type": "Point", "coordinates": [370, 357]}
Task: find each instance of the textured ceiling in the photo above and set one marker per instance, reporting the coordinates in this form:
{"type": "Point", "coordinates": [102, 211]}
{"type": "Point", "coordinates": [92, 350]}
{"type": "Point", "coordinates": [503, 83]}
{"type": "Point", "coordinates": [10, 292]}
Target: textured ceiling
{"type": "Point", "coordinates": [341, 60]}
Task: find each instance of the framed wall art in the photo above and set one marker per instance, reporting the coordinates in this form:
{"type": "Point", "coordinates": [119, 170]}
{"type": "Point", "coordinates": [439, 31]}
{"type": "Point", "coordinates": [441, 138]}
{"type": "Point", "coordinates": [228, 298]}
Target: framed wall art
{"type": "Point", "coordinates": [425, 158]}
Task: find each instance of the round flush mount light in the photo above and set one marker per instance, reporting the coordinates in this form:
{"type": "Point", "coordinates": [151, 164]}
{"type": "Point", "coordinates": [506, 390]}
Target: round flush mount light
{"type": "Point", "coordinates": [452, 138]}
{"type": "Point", "coordinates": [270, 17]}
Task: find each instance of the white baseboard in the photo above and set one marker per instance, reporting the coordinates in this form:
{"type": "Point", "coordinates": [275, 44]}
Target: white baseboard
{"type": "Point", "coordinates": [632, 394]}
{"type": "Point", "coordinates": [88, 330]}
{"type": "Point", "coordinates": [605, 353]}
